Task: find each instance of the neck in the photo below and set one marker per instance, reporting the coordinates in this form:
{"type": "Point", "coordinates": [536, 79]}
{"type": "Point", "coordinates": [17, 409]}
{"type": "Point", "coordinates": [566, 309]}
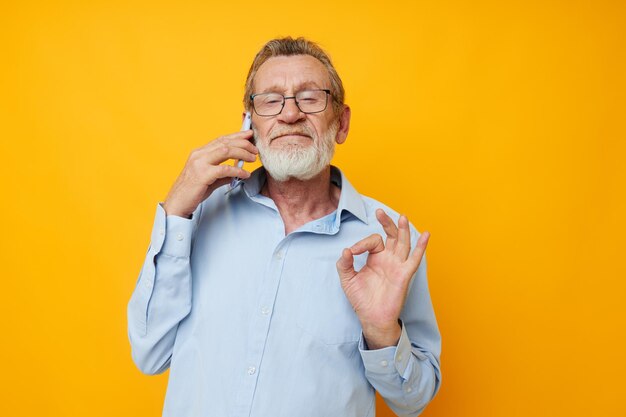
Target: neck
{"type": "Point", "coordinates": [300, 202]}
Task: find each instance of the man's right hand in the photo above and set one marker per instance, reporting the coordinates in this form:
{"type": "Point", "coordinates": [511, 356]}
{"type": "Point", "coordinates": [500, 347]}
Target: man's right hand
{"type": "Point", "coordinates": [204, 172]}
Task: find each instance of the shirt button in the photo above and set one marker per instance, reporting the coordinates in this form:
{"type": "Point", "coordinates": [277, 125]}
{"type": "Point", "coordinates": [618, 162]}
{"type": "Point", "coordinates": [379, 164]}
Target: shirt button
{"type": "Point", "coordinates": [409, 389]}
{"type": "Point", "coordinates": [384, 363]}
{"type": "Point", "coordinates": [399, 358]}
{"type": "Point", "coordinates": [279, 255]}
{"type": "Point", "coordinates": [161, 232]}
{"type": "Point", "coordinates": [179, 236]}
{"type": "Point", "coordinates": [251, 370]}
{"type": "Point", "coordinates": [265, 310]}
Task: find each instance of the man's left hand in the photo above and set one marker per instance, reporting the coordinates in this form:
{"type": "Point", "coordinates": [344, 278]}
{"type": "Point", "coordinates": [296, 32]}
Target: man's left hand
{"type": "Point", "coordinates": [377, 292]}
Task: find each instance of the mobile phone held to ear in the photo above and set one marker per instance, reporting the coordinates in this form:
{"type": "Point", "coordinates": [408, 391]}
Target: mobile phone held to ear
{"type": "Point", "coordinates": [247, 123]}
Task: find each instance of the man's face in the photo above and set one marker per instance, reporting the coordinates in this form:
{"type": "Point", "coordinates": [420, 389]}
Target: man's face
{"type": "Point", "coordinates": [292, 143]}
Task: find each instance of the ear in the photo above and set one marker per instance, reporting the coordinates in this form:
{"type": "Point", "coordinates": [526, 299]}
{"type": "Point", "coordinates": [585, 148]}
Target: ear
{"type": "Point", "coordinates": [344, 125]}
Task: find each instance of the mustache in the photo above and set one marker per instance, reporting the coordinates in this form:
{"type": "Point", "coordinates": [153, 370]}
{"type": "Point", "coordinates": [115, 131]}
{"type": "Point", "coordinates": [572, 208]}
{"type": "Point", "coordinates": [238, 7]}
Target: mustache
{"type": "Point", "coordinates": [302, 130]}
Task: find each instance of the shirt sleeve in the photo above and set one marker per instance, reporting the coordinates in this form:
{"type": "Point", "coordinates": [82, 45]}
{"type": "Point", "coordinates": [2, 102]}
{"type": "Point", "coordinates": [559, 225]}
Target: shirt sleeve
{"type": "Point", "coordinates": [408, 375]}
{"type": "Point", "coordinates": [162, 296]}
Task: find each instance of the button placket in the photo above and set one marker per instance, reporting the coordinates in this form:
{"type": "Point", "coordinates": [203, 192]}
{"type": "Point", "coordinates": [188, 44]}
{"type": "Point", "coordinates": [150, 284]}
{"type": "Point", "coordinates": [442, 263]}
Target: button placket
{"type": "Point", "coordinates": [259, 330]}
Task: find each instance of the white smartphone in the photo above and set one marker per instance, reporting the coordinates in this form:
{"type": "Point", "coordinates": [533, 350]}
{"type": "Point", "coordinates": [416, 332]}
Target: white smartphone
{"type": "Point", "coordinates": [247, 123]}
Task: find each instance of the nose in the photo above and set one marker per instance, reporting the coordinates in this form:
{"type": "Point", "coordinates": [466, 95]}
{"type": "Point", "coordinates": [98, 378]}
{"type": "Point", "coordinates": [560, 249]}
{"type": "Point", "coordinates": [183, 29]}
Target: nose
{"type": "Point", "coordinates": [291, 112]}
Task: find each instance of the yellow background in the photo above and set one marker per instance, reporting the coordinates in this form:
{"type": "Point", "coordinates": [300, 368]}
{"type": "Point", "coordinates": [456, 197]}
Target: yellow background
{"type": "Point", "coordinates": [498, 126]}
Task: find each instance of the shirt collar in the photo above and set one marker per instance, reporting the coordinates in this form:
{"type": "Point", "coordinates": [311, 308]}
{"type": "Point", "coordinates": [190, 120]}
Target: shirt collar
{"type": "Point", "coordinates": [349, 200]}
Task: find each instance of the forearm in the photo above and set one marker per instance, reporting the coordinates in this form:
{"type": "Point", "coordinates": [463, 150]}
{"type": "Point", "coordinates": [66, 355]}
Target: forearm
{"type": "Point", "coordinates": [381, 337]}
{"type": "Point", "coordinates": [404, 376]}
{"type": "Point", "coordinates": [162, 297]}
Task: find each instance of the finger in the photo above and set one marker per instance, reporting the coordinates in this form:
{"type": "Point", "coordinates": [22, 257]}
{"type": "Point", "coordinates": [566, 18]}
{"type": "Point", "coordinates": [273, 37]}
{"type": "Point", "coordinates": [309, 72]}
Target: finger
{"type": "Point", "coordinates": [241, 143]}
{"type": "Point", "coordinates": [226, 171]}
{"type": "Point", "coordinates": [345, 265]}
{"type": "Point", "coordinates": [389, 227]}
{"type": "Point", "coordinates": [372, 244]}
{"type": "Point", "coordinates": [244, 134]}
{"type": "Point", "coordinates": [241, 137]}
{"type": "Point", "coordinates": [225, 152]}
{"type": "Point", "coordinates": [416, 257]}
{"type": "Point", "coordinates": [403, 246]}
{"type": "Point", "coordinates": [217, 184]}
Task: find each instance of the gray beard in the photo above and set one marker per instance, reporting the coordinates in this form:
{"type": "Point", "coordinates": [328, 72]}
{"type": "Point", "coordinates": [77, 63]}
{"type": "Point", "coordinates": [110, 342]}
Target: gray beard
{"type": "Point", "coordinates": [298, 161]}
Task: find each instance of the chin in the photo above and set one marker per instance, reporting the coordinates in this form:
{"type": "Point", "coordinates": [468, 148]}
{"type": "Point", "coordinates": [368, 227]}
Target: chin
{"type": "Point", "coordinates": [296, 160]}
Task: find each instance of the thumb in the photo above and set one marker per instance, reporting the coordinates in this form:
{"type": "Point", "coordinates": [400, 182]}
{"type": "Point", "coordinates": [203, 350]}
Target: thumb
{"type": "Point", "coordinates": [345, 265]}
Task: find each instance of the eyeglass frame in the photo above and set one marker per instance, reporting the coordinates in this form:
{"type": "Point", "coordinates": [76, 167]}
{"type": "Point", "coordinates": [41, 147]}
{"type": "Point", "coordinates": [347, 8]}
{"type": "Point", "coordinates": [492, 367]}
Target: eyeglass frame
{"type": "Point", "coordinates": [282, 107]}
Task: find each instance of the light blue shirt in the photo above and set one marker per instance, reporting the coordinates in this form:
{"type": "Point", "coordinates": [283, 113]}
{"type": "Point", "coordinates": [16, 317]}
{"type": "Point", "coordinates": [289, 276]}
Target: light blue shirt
{"type": "Point", "coordinates": [253, 323]}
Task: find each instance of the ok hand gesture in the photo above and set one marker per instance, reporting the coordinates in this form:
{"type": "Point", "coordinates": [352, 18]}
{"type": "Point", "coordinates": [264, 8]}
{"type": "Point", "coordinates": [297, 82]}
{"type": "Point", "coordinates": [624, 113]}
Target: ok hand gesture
{"type": "Point", "coordinates": [377, 292]}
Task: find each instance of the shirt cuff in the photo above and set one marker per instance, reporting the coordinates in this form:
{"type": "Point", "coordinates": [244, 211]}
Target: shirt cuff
{"type": "Point", "coordinates": [171, 235]}
{"type": "Point", "coordinates": [387, 360]}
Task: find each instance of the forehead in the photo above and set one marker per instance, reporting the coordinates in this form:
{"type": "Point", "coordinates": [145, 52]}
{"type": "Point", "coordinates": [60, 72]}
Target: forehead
{"type": "Point", "coordinates": [284, 73]}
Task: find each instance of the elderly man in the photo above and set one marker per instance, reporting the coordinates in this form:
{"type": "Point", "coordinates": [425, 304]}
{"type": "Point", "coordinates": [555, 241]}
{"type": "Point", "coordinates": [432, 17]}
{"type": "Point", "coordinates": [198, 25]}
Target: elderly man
{"type": "Point", "coordinates": [281, 297]}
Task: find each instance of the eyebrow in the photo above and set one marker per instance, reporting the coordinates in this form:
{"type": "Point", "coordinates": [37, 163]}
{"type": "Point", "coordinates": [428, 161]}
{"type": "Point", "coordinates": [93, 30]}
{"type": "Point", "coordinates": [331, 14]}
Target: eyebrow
{"type": "Point", "coordinates": [299, 87]}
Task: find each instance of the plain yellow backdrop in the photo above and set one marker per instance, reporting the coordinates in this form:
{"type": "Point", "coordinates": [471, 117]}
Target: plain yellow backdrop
{"type": "Point", "coordinates": [497, 126]}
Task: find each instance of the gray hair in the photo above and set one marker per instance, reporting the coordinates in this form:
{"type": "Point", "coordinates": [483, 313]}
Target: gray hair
{"type": "Point", "coordinates": [288, 47]}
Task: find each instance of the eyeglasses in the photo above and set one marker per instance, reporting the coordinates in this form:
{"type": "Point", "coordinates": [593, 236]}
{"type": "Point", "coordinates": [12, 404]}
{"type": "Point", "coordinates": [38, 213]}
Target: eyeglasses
{"type": "Point", "coordinates": [308, 101]}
